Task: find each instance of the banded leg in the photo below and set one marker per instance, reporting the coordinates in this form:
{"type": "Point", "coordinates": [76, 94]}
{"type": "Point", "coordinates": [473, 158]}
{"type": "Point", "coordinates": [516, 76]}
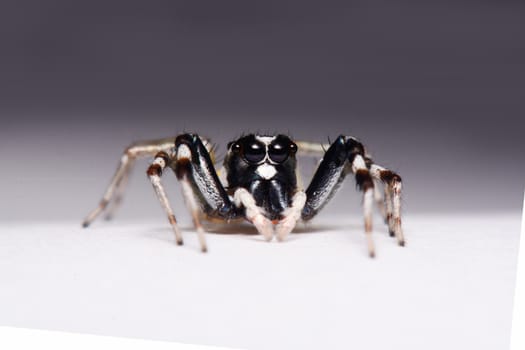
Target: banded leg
{"type": "Point", "coordinates": [200, 184]}
{"type": "Point", "coordinates": [343, 156]}
{"type": "Point", "coordinates": [155, 170]}
{"type": "Point", "coordinates": [120, 188]}
{"type": "Point", "coordinates": [365, 183]}
{"type": "Point", "coordinates": [311, 149]}
{"type": "Point", "coordinates": [379, 199]}
{"type": "Point", "coordinates": [182, 171]}
{"type": "Point", "coordinates": [388, 210]}
{"type": "Point", "coordinates": [393, 186]}
{"type": "Point", "coordinates": [327, 178]}
{"type": "Point", "coordinates": [378, 191]}
{"type": "Point", "coordinates": [130, 154]}
{"type": "Point", "coordinates": [191, 202]}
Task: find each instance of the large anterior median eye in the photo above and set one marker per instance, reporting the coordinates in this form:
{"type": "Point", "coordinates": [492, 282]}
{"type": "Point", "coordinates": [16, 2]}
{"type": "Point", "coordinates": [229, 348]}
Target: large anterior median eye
{"type": "Point", "coordinates": [254, 152]}
{"type": "Point", "coordinates": [279, 152]}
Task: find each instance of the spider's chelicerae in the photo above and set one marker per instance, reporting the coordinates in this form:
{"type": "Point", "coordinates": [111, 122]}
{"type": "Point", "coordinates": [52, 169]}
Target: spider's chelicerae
{"type": "Point", "coordinates": [258, 182]}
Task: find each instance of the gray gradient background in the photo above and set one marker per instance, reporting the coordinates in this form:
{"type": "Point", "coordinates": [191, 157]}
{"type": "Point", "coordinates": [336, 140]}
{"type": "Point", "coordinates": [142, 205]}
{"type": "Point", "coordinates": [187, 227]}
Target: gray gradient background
{"type": "Point", "coordinates": [435, 89]}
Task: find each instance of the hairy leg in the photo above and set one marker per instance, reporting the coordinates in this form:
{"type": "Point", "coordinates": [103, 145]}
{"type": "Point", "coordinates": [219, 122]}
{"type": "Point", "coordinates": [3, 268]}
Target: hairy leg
{"type": "Point", "coordinates": [135, 151]}
{"type": "Point", "coordinates": [393, 186]}
{"type": "Point", "coordinates": [155, 171]}
{"type": "Point", "coordinates": [347, 155]}
{"type": "Point", "coordinates": [201, 187]}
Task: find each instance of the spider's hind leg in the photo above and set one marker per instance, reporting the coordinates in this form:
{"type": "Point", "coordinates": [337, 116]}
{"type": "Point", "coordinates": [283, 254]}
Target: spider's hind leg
{"type": "Point", "coordinates": [116, 186]}
{"type": "Point", "coordinates": [120, 188]}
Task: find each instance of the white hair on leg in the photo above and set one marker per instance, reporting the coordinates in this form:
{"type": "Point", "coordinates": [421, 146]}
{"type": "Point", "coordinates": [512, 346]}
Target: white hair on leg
{"type": "Point", "coordinates": [154, 172]}
{"type": "Point", "coordinates": [378, 198]}
{"type": "Point", "coordinates": [192, 204]}
{"type": "Point", "coordinates": [383, 200]}
{"type": "Point", "coordinates": [393, 187]}
{"type": "Point", "coordinates": [119, 191]}
{"type": "Point", "coordinates": [130, 154]}
{"type": "Point", "coordinates": [396, 212]}
{"type": "Point", "coordinates": [359, 167]}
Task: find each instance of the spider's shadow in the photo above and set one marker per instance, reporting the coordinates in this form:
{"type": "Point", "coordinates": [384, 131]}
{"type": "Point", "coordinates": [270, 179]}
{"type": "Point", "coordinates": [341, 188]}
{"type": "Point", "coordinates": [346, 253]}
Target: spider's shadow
{"type": "Point", "coordinates": [250, 230]}
{"type": "Point", "coordinates": [246, 229]}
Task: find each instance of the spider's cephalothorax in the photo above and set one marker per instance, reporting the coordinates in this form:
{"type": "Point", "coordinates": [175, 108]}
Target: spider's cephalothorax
{"type": "Point", "coordinates": [259, 182]}
{"type": "Point", "coordinates": [265, 166]}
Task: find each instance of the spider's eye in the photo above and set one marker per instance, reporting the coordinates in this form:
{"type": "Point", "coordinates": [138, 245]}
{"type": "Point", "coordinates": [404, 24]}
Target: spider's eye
{"type": "Point", "coordinates": [236, 147]}
{"type": "Point", "coordinates": [254, 152]}
{"type": "Point", "coordinates": [293, 148]}
{"type": "Point", "coordinates": [279, 152]}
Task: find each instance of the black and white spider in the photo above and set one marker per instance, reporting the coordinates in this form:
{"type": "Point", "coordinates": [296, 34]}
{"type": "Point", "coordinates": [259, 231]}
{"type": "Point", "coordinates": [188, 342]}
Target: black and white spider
{"type": "Point", "coordinates": [258, 182]}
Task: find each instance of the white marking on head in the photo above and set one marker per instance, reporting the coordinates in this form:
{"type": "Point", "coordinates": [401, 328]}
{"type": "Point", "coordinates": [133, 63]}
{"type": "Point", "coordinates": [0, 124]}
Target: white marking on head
{"type": "Point", "coordinates": [183, 152]}
{"type": "Point", "coordinates": [266, 171]}
{"type": "Point", "coordinates": [265, 139]}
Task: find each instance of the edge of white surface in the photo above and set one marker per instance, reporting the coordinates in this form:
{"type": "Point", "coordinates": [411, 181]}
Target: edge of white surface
{"type": "Point", "coordinates": [22, 338]}
{"type": "Point", "coordinates": [517, 341]}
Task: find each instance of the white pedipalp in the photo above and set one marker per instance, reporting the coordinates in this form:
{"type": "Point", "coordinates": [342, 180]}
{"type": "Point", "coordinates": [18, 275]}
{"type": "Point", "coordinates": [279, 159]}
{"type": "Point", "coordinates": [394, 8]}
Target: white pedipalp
{"type": "Point", "coordinates": [291, 215]}
{"type": "Point", "coordinates": [255, 214]}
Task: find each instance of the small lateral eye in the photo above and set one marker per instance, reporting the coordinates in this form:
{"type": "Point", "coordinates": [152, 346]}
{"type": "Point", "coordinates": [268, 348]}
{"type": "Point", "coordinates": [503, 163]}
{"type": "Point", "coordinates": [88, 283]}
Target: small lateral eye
{"type": "Point", "coordinates": [278, 152]}
{"type": "Point", "coordinates": [293, 148]}
{"type": "Point", "coordinates": [254, 152]}
{"type": "Point", "coordinates": [236, 147]}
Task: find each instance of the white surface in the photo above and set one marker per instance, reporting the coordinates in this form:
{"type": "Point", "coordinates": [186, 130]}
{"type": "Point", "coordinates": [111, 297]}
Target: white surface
{"type": "Point", "coordinates": [22, 338]}
{"type": "Point", "coordinates": [451, 287]}
{"type": "Point", "coordinates": [518, 320]}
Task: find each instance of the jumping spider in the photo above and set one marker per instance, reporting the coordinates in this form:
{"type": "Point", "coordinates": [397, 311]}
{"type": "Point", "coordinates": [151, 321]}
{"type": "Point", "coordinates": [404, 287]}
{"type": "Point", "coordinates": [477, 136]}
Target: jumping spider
{"type": "Point", "coordinates": [258, 182]}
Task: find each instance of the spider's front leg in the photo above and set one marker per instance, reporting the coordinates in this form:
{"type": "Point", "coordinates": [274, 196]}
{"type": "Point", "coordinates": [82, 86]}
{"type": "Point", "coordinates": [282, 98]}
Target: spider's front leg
{"type": "Point", "coordinates": [346, 155]}
{"type": "Point", "coordinates": [341, 157]}
{"type": "Point", "coordinates": [200, 184]}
